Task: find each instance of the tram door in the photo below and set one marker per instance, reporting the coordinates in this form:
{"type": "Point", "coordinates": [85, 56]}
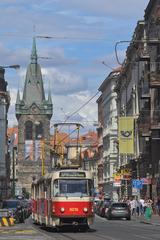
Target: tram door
{"type": "Point", "coordinates": [48, 198]}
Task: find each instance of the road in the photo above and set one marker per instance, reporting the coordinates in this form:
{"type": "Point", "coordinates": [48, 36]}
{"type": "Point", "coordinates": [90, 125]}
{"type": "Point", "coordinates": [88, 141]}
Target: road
{"type": "Point", "coordinates": [102, 229]}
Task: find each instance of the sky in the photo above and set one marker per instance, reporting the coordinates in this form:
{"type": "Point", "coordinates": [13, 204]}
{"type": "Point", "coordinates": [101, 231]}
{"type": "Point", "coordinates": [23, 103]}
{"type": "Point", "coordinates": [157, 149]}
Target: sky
{"type": "Point", "coordinates": [83, 35]}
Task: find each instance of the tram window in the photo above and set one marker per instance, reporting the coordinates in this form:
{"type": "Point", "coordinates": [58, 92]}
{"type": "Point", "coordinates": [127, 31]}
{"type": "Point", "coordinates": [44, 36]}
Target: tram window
{"type": "Point", "coordinates": [74, 187]}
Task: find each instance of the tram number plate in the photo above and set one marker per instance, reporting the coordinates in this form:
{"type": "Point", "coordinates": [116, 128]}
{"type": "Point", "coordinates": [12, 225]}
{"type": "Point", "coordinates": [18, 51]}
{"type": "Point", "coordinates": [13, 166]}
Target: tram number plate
{"type": "Point", "coordinates": [73, 209]}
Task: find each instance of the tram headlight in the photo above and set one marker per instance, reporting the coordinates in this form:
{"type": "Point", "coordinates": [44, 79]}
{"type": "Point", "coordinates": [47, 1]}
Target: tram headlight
{"type": "Point", "coordinates": [62, 209]}
{"type": "Point", "coordinates": [85, 209]}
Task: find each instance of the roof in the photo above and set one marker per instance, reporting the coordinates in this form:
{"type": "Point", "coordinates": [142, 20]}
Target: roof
{"type": "Point", "coordinates": [89, 138]}
{"type": "Point", "coordinates": [148, 8]}
{"type": "Point", "coordinates": [111, 75]}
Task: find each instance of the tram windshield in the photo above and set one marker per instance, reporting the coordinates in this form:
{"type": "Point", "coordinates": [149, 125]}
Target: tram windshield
{"type": "Point", "coordinates": [72, 187]}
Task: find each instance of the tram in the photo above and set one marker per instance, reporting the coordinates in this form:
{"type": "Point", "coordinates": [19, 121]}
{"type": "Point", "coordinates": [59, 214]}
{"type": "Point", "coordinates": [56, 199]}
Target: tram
{"type": "Point", "coordinates": [63, 197]}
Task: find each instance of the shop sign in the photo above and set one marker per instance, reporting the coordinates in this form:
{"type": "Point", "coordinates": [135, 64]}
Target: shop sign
{"type": "Point", "coordinates": [135, 191]}
{"type": "Point", "coordinates": [146, 181]}
{"type": "Point", "coordinates": [117, 183]}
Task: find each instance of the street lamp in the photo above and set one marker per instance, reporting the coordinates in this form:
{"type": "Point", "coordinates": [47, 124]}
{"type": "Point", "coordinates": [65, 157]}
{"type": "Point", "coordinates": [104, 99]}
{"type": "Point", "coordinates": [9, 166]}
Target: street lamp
{"type": "Point", "coordinates": [16, 66]}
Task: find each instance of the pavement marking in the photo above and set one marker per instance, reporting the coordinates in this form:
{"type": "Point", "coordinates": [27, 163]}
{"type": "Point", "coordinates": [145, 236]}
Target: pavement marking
{"type": "Point", "coordinates": [143, 237]}
{"type": "Point", "coordinates": [25, 232]}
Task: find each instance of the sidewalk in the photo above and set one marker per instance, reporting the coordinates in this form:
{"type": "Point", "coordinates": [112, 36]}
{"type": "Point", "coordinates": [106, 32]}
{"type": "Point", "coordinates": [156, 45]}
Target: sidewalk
{"type": "Point", "coordinates": [155, 220]}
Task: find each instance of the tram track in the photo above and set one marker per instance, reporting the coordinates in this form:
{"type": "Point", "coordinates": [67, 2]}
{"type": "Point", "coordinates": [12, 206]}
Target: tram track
{"type": "Point", "coordinates": [58, 235]}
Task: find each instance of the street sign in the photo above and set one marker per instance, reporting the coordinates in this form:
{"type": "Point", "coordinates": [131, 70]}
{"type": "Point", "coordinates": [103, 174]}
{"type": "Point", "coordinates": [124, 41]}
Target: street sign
{"type": "Point", "coordinates": [137, 183]}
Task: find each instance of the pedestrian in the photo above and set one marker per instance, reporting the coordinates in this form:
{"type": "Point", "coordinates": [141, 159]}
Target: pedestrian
{"type": "Point", "coordinates": [145, 204]}
{"type": "Point", "coordinates": [133, 206]}
{"type": "Point", "coordinates": [142, 205]}
{"type": "Point", "coordinates": [148, 212]}
{"type": "Point", "coordinates": [158, 206]}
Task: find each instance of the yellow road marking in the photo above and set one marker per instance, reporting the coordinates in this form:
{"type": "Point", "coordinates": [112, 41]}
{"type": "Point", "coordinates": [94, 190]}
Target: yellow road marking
{"type": "Point", "coordinates": [26, 231]}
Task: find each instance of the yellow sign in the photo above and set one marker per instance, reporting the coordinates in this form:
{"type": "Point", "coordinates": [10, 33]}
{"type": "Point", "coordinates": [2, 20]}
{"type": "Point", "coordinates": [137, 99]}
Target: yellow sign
{"type": "Point", "coordinates": [126, 135]}
{"type": "Point", "coordinates": [73, 209]}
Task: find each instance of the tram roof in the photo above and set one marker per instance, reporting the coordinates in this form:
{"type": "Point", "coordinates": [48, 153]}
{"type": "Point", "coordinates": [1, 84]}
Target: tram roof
{"type": "Point", "coordinates": [56, 174]}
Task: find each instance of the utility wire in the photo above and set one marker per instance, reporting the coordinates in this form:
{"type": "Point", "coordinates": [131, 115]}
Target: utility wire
{"type": "Point", "coordinates": [72, 114]}
{"type": "Point", "coordinates": [104, 63]}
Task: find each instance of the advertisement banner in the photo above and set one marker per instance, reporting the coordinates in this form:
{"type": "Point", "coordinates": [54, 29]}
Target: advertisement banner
{"type": "Point", "coordinates": [33, 150]}
{"type": "Point", "coordinates": [29, 150]}
{"type": "Point", "coordinates": [126, 135]}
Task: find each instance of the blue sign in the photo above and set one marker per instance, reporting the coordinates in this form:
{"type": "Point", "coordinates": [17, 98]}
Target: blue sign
{"type": "Point", "coordinates": [137, 183]}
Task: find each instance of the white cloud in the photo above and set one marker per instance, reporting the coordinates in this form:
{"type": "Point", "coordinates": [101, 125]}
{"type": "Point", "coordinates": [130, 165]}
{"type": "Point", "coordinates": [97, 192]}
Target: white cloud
{"type": "Point", "coordinates": [114, 8]}
{"type": "Point", "coordinates": [64, 83]}
{"type": "Point", "coordinates": [87, 115]}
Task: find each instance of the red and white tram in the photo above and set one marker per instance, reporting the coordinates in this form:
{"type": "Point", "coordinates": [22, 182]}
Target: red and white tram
{"type": "Point", "coordinates": [63, 197]}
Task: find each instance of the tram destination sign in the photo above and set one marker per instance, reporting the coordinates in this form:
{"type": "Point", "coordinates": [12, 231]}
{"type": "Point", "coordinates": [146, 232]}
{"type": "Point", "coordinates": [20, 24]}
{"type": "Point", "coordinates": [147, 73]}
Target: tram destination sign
{"type": "Point", "coordinates": [72, 174]}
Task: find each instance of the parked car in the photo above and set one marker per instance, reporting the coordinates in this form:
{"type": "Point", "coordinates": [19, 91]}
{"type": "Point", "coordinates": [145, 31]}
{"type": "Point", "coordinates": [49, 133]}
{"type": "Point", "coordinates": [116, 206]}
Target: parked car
{"type": "Point", "coordinates": [118, 210]}
{"type": "Point", "coordinates": [15, 208]}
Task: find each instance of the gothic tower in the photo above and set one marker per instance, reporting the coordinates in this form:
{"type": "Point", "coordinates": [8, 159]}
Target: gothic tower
{"type": "Point", "coordinates": [33, 113]}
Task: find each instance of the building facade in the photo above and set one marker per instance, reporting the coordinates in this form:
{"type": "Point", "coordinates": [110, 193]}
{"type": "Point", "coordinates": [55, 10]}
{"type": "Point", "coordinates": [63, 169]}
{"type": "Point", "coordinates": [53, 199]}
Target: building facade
{"type": "Point", "coordinates": [4, 155]}
{"type": "Point", "coordinates": [33, 113]}
{"type": "Point", "coordinates": [138, 89]}
{"type": "Point", "coordinates": [100, 160]}
{"type": "Point", "coordinates": [109, 136]}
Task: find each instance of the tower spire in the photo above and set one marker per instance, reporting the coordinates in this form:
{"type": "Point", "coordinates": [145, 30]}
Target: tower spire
{"type": "Point", "coordinates": [49, 98]}
{"type": "Point", "coordinates": [34, 52]}
{"type": "Point", "coordinates": [18, 97]}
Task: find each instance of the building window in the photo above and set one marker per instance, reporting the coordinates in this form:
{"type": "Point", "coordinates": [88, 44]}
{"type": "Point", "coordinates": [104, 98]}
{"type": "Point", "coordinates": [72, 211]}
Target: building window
{"type": "Point", "coordinates": [28, 130]}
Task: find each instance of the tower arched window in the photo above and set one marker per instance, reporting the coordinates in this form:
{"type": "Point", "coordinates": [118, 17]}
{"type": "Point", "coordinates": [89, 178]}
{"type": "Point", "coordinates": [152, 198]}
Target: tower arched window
{"type": "Point", "coordinates": [39, 131]}
{"type": "Point", "coordinates": [29, 130]}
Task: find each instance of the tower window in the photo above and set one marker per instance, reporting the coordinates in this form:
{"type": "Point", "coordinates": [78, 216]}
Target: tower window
{"type": "Point", "coordinates": [28, 130]}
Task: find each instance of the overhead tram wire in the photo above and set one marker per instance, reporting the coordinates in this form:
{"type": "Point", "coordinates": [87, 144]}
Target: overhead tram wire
{"type": "Point", "coordinates": [16, 34]}
{"type": "Point", "coordinates": [83, 105]}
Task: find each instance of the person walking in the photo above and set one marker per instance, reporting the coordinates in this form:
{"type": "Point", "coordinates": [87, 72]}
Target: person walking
{"type": "Point", "coordinates": [133, 206]}
{"type": "Point", "coordinates": [158, 206]}
{"type": "Point", "coordinates": [148, 212]}
{"type": "Point", "coordinates": [142, 205]}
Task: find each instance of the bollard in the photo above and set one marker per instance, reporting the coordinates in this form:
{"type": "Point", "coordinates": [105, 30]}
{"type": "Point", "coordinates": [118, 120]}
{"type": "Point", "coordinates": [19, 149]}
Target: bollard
{"type": "Point", "coordinates": [5, 222]}
{"type": "Point", "coordinates": [11, 221]}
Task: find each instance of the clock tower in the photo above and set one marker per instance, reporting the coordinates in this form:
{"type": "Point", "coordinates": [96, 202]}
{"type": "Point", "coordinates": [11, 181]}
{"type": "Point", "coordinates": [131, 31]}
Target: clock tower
{"type": "Point", "coordinates": [33, 113]}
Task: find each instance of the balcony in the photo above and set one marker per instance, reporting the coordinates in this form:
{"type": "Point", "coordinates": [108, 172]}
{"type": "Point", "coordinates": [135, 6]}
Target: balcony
{"type": "Point", "coordinates": [154, 79]}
